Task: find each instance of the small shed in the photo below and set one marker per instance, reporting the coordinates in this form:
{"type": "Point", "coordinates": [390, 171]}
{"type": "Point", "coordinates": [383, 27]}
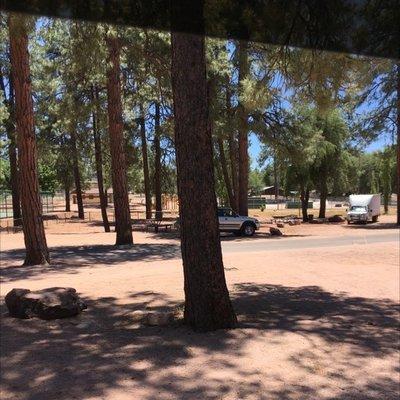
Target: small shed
{"type": "Point", "coordinates": [92, 196]}
{"type": "Point", "coordinates": [270, 191]}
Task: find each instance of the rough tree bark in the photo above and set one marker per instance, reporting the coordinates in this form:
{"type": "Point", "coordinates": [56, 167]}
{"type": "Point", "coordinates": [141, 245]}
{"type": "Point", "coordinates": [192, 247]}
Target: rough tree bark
{"type": "Point", "coordinates": [222, 165]}
{"type": "Point", "coordinates": [243, 136]}
{"type": "Point", "coordinates": [322, 204]}
{"type": "Point", "coordinates": [77, 173]}
{"type": "Point", "coordinates": [233, 153]}
{"type": "Point", "coordinates": [157, 162]}
{"type": "Point", "coordinates": [398, 144]}
{"type": "Point", "coordinates": [304, 198]}
{"type": "Point", "coordinates": [99, 159]}
{"type": "Point", "coordinates": [146, 175]}
{"type": "Point", "coordinates": [12, 148]}
{"type": "Point", "coordinates": [225, 173]}
{"type": "Point", "coordinates": [33, 228]}
{"type": "Point", "coordinates": [207, 303]}
{"type": "Point", "coordinates": [276, 179]}
{"type": "Point", "coordinates": [123, 225]}
{"type": "Point", "coordinates": [323, 187]}
{"type": "Point", "coordinates": [67, 199]}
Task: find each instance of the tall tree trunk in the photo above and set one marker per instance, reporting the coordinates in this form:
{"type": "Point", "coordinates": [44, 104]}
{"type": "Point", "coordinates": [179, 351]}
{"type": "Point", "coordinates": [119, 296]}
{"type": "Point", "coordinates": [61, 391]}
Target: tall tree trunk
{"type": "Point", "coordinates": [233, 158]}
{"type": "Point", "coordinates": [77, 173]}
{"type": "Point", "coordinates": [398, 144]}
{"type": "Point", "coordinates": [99, 160]}
{"type": "Point", "coordinates": [207, 303]}
{"type": "Point", "coordinates": [225, 173]}
{"type": "Point", "coordinates": [146, 175]}
{"type": "Point", "coordinates": [12, 154]}
{"type": "Point", "coordinates": [304, 197]}
{"type": "Point", "coordinates": [222, 166]}
{"type": "Point", "coordinates": [233, 152]}
{"type": "Point", "coordinates": [14, 178]}
{"type": "Point", "coordinates": [323, 177]}
{"type": "Point", "coordinates": [123, 225]}
{"type": "Point", "coordinates": [322, 203]}
{"type": "Point", "coordinates": [243, 135]}
{"type": "Point", "coordinates": [386, 196]}
{"type": "Point", "coordinates": [157, 163]}
{"type": "Point", "coordinates": [33, 228]}
{"type": "Point", "coordinates": [276, 180]}
{"type": "Point", "coordinates": [67, 198]}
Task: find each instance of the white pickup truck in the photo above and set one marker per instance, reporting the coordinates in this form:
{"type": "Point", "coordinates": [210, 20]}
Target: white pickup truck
{"type": "Point", "coordinates": [364, 208]}
{"type": "Point", "coordinates": [229, 221]}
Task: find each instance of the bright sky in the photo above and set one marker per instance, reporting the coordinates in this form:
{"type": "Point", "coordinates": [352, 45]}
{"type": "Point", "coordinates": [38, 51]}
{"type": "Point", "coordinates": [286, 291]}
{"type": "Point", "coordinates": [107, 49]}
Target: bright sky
{"type": "Point", "coordinates": [255, 147]}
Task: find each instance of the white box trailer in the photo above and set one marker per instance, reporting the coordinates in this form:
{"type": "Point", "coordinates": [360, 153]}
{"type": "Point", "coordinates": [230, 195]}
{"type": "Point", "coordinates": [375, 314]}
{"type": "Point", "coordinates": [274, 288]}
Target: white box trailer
{"type": "Point", "coordinates": [364, 208]}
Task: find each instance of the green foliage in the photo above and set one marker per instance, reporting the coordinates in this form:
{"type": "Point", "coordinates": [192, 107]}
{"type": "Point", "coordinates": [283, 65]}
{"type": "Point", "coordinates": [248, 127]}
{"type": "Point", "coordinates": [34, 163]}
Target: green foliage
{"type": "Point", "coordinates": [4, 174]}
{"type": "Point", "coordinates": [47, 178]}
{"type": "Point", "coordinates": [256, 181]}
{"type": "Point", "coordinates": [301, 104]}
{"type": "Point", "coordinates": [387, 161]}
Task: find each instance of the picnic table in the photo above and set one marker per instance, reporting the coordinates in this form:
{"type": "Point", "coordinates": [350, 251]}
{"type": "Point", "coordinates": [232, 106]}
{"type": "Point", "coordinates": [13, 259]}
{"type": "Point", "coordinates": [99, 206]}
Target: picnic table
{"type": "Point", "coordinates": [158, 224]}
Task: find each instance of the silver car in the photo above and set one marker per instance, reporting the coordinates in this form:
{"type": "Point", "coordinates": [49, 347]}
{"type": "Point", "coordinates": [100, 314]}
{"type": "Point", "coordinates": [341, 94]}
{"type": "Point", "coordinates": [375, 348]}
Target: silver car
{"type": "Point", "coordinates": [229, 221]}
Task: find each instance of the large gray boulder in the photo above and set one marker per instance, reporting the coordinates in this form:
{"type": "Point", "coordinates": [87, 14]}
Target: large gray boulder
{"type": "Point", "coordinates": [50, 303]}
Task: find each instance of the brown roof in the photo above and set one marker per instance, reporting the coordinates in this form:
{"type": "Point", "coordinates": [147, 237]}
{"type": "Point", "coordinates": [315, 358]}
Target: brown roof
{"type": "Point", "coordinates": [92, 191]}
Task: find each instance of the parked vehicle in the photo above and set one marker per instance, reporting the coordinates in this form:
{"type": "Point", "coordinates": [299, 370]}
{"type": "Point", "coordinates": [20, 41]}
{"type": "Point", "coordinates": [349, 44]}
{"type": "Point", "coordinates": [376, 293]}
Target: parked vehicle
{"type": "Point", "coordinates": [229, 221]}
{"type": "Point", "coordinates": [364, 208]}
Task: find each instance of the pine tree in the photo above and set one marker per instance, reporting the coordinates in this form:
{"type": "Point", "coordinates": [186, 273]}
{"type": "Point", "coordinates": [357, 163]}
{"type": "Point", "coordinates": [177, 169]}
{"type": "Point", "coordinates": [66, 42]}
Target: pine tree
{"type": "Point", "coordinates": [207, 303]}
{"type": "Point", "coordinates": [146, 175]}
{"type": "Point", "coordinates": [34, 235]}
{"type": "Point", "coordinates": [123, 225]}
{"type": "Point", "coordinates": [9, 121]}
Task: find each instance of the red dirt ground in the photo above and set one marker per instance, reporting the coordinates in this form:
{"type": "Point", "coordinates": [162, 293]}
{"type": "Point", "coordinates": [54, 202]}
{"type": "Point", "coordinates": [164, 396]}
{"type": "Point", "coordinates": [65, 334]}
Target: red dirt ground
{"type": "Point", "coordinates": [314, 323]}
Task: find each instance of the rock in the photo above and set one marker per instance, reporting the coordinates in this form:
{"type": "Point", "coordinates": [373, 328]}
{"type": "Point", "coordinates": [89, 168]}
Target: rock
{"type": "Point", "coordinates": [291, 223]}
{"type": "Point", "coordinates": [137, 316]}
{"type": "Point", "coordinates": [158, 318]}
{"type": "Point", "coordinates": [50, 303]}
{"type": "Point", "coordinates": [336, 218]}
{"type": "Point", "coordinates": [275, 231]}
{"type": "Point", "coordinates": [316, 221]}
{"type": "Point", "coordinates": [280, 225]}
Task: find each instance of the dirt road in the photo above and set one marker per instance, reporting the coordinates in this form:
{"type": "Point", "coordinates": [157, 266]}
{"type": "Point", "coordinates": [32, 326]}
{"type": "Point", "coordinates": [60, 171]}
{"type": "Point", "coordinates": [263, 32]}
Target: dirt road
{"type": "Point", "coordinates": [315, 322]}
{"type": "Point", "coordinates": [282, 243]}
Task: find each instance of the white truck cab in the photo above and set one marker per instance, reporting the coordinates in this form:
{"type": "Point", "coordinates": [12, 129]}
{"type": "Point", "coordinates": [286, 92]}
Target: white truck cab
{"type": "Point", "coordinates": [364, 208]}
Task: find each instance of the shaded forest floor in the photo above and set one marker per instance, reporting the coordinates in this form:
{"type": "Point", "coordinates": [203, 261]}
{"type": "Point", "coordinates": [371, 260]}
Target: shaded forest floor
{"type": "Point", "coordinates": [314, 323]}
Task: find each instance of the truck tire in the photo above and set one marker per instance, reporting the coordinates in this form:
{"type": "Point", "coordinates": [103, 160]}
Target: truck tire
{"type": "Point", "coordinates": [248, 229]}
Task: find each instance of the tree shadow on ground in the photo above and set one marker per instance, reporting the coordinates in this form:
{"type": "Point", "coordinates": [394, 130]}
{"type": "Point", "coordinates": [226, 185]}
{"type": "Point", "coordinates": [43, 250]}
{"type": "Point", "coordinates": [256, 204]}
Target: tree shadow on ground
{"type": "Point", "coordinates": [105, 349]}
{"type": "Point", "coordinates": [69, 259]}
{"type": "Point", "coordinates": [261, 235]}
{"type": "Point", "coordinates": [373, 226]}
{"type": "Point", "coordinates": [368, 324]}
{"type": "Point", "coordinates": [226, 236]}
